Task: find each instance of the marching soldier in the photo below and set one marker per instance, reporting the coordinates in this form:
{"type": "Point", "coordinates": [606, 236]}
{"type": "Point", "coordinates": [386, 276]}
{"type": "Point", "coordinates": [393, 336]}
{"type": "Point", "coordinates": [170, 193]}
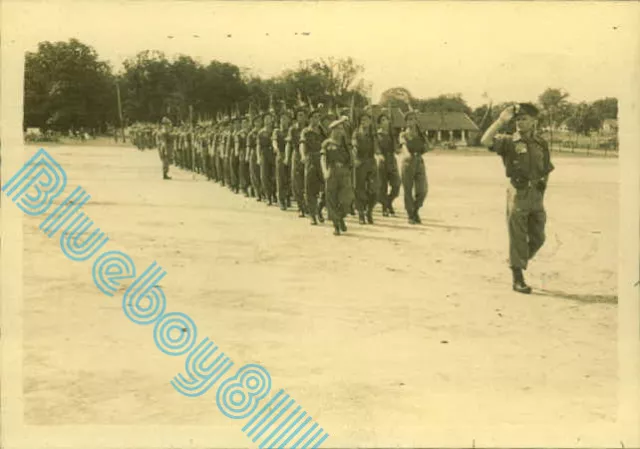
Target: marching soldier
{"type": "Point", "coordinates": [528, 164]}
{"type": "Point", "coordinates": [327, 116]}
{"type": "Point", "coordinates": [348, 130]}
{"type": "Point", "coordinates": [366, 182]}
{"type": "Point", "coordinates": [254, 168]}
{"type": "Point", "coordinates": [219, 145]}
{"type": "Point", "coordinates": [388, 176]}
{"type": "Point", "coordinates": [165, 150]}
{"type": "Point", "coordinates": [295, 158]}
{"type": "Point", "coordinates": [310, 142]}
{"type": "Point", "coordinates": [195, 133]}
{"type": "Point", "coordinates": [280, 149]}
{"type": "Point", "coordinates": [336, 168]}
{"type": "Point", "coordinates": [241, 154]}
{"type": "Point", "coordinates": [233, 154]}
{"type": "Point", "coordinates": [266, 159]}
{"type": "Point", "coordinates": [414, 145]}
{"type": "Point", "coordinates": [227, 141]}
{"type": "Point", "coordinates": [213, 158]}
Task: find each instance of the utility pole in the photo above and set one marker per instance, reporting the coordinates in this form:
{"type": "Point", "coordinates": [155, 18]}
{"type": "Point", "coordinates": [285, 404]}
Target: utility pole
{"type": "Point", "coordinates": [120, 110]}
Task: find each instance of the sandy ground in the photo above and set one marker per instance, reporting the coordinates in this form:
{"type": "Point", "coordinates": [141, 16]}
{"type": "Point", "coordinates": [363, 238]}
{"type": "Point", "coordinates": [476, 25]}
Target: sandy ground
{"type": "Point", "coordinates": [393, 335]}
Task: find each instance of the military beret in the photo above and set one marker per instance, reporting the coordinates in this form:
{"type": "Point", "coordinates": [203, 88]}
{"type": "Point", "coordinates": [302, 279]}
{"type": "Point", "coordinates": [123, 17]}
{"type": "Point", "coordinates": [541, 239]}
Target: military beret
{"type": "Point", "coordinates": [526, 109]}
{"type": "Point", "coordinates": [338, 122]}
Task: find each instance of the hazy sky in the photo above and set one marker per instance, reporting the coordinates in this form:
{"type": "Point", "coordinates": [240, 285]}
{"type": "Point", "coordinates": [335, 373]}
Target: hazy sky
{"type": "Point", "coordinates": [512, 51]}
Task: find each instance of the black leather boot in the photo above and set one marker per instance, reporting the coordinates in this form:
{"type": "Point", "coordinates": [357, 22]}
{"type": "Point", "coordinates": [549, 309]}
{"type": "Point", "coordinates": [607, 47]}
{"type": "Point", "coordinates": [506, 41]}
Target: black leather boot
{"type": "Point", "coordinates": [416, 217]}
{"type": "Point", "coordinates": [370, 216]}
{"type": "Point", "coordinates": [391, 211]}
{"type": "Point", "coordinates": [519, 285]}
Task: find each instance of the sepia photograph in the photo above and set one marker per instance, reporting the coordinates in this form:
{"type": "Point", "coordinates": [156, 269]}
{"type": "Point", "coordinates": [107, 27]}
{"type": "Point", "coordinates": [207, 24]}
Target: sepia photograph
{"type": "Point", "coordinates": [320, 224]}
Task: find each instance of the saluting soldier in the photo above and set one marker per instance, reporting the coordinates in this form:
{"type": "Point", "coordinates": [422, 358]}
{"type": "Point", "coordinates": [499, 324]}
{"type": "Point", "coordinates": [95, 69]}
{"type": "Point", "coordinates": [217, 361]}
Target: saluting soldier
{"type": "Point", "coordinates": [388, 176]}
{"type": "Point", "coordinates": [295, 158]}
{"type": "Point", "coordinates": [279, 139]}
{"type": "Point", "coordinates": [414, 176]}
{"type": "Point", "coordinates": [310, 144]}
{"type": "Point", "coordinates": [336, 169]}
{"type": "Point", "coordinates": [527, 162]}
{"type": "Point", "coordinates": [266, 159]}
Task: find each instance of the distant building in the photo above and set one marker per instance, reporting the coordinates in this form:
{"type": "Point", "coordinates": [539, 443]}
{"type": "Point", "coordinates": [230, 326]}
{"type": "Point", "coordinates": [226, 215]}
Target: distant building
{"type": "Point", "coordinates": [609, 126]}
{"type": "Point", "coordinates": [442, 127]}
{"type": "Point", "coordinates": [33, 132]}
{"type": "Point", "coordinates": [448, 127]}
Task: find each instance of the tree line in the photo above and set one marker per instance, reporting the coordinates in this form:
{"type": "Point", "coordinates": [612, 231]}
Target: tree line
{"type": "Point", "coordinates": [68, 87]}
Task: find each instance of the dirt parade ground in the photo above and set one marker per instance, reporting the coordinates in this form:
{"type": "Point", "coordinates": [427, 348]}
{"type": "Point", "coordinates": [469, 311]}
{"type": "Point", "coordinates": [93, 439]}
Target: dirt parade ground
{"type": "Point", "coordinates": [391, 335]}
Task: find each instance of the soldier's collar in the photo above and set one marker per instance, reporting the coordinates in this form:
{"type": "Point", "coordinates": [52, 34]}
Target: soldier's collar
{"type": "Point", "coordinates": [518, 137]}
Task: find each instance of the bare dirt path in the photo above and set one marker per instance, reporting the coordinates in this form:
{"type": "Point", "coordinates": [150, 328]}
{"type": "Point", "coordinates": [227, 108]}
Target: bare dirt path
{"type": "Point", "coordinates": [390, 335]}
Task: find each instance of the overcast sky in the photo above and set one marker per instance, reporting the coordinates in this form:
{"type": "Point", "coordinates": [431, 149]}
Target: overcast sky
{"type": "Point", "coordinates": [511, 51]}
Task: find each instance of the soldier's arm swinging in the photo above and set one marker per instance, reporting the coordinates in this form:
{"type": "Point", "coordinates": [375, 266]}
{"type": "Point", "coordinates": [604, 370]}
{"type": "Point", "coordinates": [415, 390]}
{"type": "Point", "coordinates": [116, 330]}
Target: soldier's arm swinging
{"type": "Point", "coordinates": [287, 153]}
{"type": "Point", "coordinates": [323, 163]}
{"type": "Point", "coordinates": [274, 143]}
{"type": "Point", "coordinates": [354, 149]}
{"type": "Point", "coordinates": [303, 151]}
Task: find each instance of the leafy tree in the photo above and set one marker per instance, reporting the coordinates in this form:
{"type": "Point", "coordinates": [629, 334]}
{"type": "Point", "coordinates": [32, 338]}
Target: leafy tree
{"type": "Point", "coordinates": [67, 87]}
{"type": "Point", "coordinates": [149, 88]}
{"type": "Point", "coordinates": [445, 103]}
{"type": "Point", "coordinates": [553, 102]}
{"type": "Point", "coordinates": [606, 108]}
{"type": "Point", "coordinates": [584, 119]}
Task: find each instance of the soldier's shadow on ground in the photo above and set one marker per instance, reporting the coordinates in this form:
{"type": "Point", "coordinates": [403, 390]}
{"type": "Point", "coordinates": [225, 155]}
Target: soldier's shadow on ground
{"type": "Point", "coordinates": [583, 298]}
{"type": "Point", "coordinates": [425, 225]}
{"type": "Point", "coordinates": [353, 233]}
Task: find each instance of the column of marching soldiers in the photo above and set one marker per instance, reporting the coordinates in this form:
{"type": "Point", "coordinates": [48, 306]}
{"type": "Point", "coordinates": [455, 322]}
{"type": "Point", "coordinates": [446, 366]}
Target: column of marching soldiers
{"type": "Point", "coordinates": [314, 156]}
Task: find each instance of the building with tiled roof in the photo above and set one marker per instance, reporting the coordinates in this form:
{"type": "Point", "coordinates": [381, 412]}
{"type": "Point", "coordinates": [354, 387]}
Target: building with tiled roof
{"type": "Point", "coordinates": [455, 128]}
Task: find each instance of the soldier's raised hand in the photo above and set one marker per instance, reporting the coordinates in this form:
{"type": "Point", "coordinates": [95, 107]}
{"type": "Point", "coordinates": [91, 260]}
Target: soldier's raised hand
{"type": "Point", "coordinates": [508, 114]}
